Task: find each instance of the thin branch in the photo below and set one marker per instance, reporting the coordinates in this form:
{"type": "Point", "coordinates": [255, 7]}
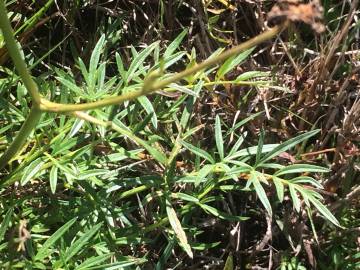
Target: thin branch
{"type": "Point", "coordinates": [28, 126]}
{"type": "Point", "coordinates": [15, 55]}
{"type": "Point", "coordinates": [49, 106]}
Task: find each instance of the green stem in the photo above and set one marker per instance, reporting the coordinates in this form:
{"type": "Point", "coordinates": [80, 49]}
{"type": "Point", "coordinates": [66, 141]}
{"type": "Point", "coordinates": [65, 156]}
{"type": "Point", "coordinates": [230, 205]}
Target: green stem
{"type": "Point", "coordinates": [29, 124]}
{"type": "Point", "coordinates": [15, 55]}
{"type": "Point", "coordinates": [158, 155]}
{"type": "Point", "coordinates": [157, 85]}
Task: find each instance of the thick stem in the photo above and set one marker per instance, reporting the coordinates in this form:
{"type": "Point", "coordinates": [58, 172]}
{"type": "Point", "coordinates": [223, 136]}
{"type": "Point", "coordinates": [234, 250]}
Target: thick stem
{"type": "Point", "coordinates": [28, 126]}
{"type": "Point", "coordinates": [157, 85]}
{"type": "Point", "coordinates": [14, 52]}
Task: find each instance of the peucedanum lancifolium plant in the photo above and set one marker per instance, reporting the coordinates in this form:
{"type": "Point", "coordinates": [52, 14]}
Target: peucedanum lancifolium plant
{"type": "Point", "coordinates": [69, 119]}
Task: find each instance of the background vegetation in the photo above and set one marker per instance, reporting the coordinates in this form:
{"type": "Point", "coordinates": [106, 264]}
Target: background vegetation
{"type": "Point", "coordinates": [250, 164]}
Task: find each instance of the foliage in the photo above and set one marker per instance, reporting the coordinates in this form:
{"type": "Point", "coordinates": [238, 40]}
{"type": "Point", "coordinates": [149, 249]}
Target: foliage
{"type": "Point", "coordinates": [137, 182]}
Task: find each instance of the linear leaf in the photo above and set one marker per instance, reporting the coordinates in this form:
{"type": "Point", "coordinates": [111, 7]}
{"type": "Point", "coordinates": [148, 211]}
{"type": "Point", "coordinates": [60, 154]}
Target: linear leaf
{"type": "Point", "coordinates": [139, 61]}
{"type": "Point", "coordinates": [252, 151]}
{"type": "Point", "coordinates": [78, 244]}
{"type": "Point", "coordinates": [124, 261]}
{"type": "Point", "coordinates": [84, 71]}
{"type": "Point", "coordinates": [251, 74]}
{"type": "Point", "coordinates": [229, 264]}
{"type": "Point", "coordinates": [43, 251]}
{"type": "Point", "coordinates": [215, 212]}
{"type": "Point", "coordinates": [94, 61]}
{"type": "Point", "coordinates": [230, 63]}
{"type": "Point", "coordinates": [120, 65]}
{"type": "Point", "coordinates": [260, 147]}
{"type": "Point", "coordinates": [294, 197]}
{"type": "Point", "coordinates": [184, 196]}
{"type": "Point", "coordinates": [218, 137]}
{"type": "Point", "coordinates": [279, 186]}
{"type": "Point", "coordinates": [30, 172]}
{"type": "Point", "coordinates": [300, 168]}
{"type": "Point", "coordinates": [165, 255]}
{"type": "Point", "coordinates": [93, 261]}
{"type": "Point", "coordinates": [183, 89]}
{"type": "Point", "coordinates": [287, 145]}
{"type": "Point", "coordinates": [174, 45]}
{"type": "Point", "coordinates": [78, 123]}
{"type": "Point", "coordinates": [306, 179]}
{"type": "Point", "coordinates": [146, 104]}
{"type": "Point", "coordinates": [190, 105]}
{"type": "Point", "coordinates": [178, 229]}
{"type": "Point", "coordinates": [260, 191]}
{"type": "Point", "coordinates": [91, 173]}
{"type": "Point", "coordinates": [203, 172]}
{"type": "Point", "coordinates": [71, 86]}
{"type": "Point", "coordinates": [5, 223]}
{"type": "Point", "coordinates": [53, 178]}
{"type": "Point", "coordinates": [159, 156]}
{"type": "Point", "coordinates": [199, 152]}
{"type": "Point", "coordinates": [238, 143]}
{"type": "Point", "coordinates": [324, 211]}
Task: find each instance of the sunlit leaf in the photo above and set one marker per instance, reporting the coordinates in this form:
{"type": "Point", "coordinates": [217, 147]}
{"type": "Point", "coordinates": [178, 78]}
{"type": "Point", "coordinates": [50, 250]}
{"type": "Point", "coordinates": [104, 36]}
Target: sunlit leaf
{"type": "Point", "coordinates": [199, 152]}
{"type": "Point", "coordinates": [260, 192]}
{"type": "Point", "coordinates": [178, 229]}
{"type": "Point", "coordinates": [31, 171]}
{"type": "Point", "coordinates": [5, 223]}
{"type": "Point", "coordinates": [279, 188]}
{"type": "Point", "coordinates": [53, 178]}
{"type": "Point", "coordinates": [174, 45]}
{"type": "Point", "coordinates": [287, 145]}
{"type": "Point", "coordinates": [45, 249]}
{"type": "Point", "coordinates": [324, 211]}
{"type": "Point", "coordinates": [301, 168]}
{"type": "Point", "coordinates": [294, 197]}
{"type": "Point", "coordinates": [229, 264]}
{"type": "Point", "coordinates": [219, 138]}
{"type": "Point", "coordinates": [230, 63]}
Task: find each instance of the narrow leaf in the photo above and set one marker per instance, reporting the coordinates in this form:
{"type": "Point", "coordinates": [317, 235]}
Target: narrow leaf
{"type": "Point", "coordinates": [93, 261]}
{"type": "Point", "coordinates": [279, 186]}
{"type": "Point", "coordinates": [30, 172]}
{"type": "Point", "coordinates": [251, 74]}
{"type": "Point", "coordinates": [5, 223]}
{"type": "Point", "coordinates": [120, 65]}
{"type": "Point", "coordinates": [44, 250]}
{"type": "Point", "coordinates": [146, 104]}
{"type": "Point", "coordinates": [252, 151]}
{"type": "Point", "coordinates": [53, 178]}
{"type": "Point", "coordinates": [219, 138]}
{"type": "Point", "coordinates": [238, 143]}
{"type": "Point", "coordinates": [203, 172]}
{"type": "Point", "coordinates": [306, 179]}
{"type": "Point", "coordinates": [287, 145]}
{"type": "Point", "coordinates": [79, 244]}
{"type": "Point", "coordinates": [174, 45]}
{"type": "Point", "coordinates": [259, 147]}
{"type": "Point", "coordinates": [183, 89]}
{"type": "Point", "coordinates": [294, 197]}
{"type": "Point", "coordinates": [94, 61]}
{"type": "Point", "coordinates": [178, 229]}
{"type": "Point", "coordinates": [139, 61]}
{"type": "Point", "coordinates": [229, 264]}
{"type": "Point", "coordinates": [324, 211]}
{"type": "Point", "coordinates": [230, 63]}
{"type": "Point", "coordinates": [244, 121]}
{"type": "Point", "coordinates": [199, 152]}
{"type": "Point", "coordinates": [215, 212]}
{"type": "Point", "coordinates": [300, 168]}
{"type": "Point", "coordinates": [260, 191]}
{"type": "Point", "coordinates": [71, 86]}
